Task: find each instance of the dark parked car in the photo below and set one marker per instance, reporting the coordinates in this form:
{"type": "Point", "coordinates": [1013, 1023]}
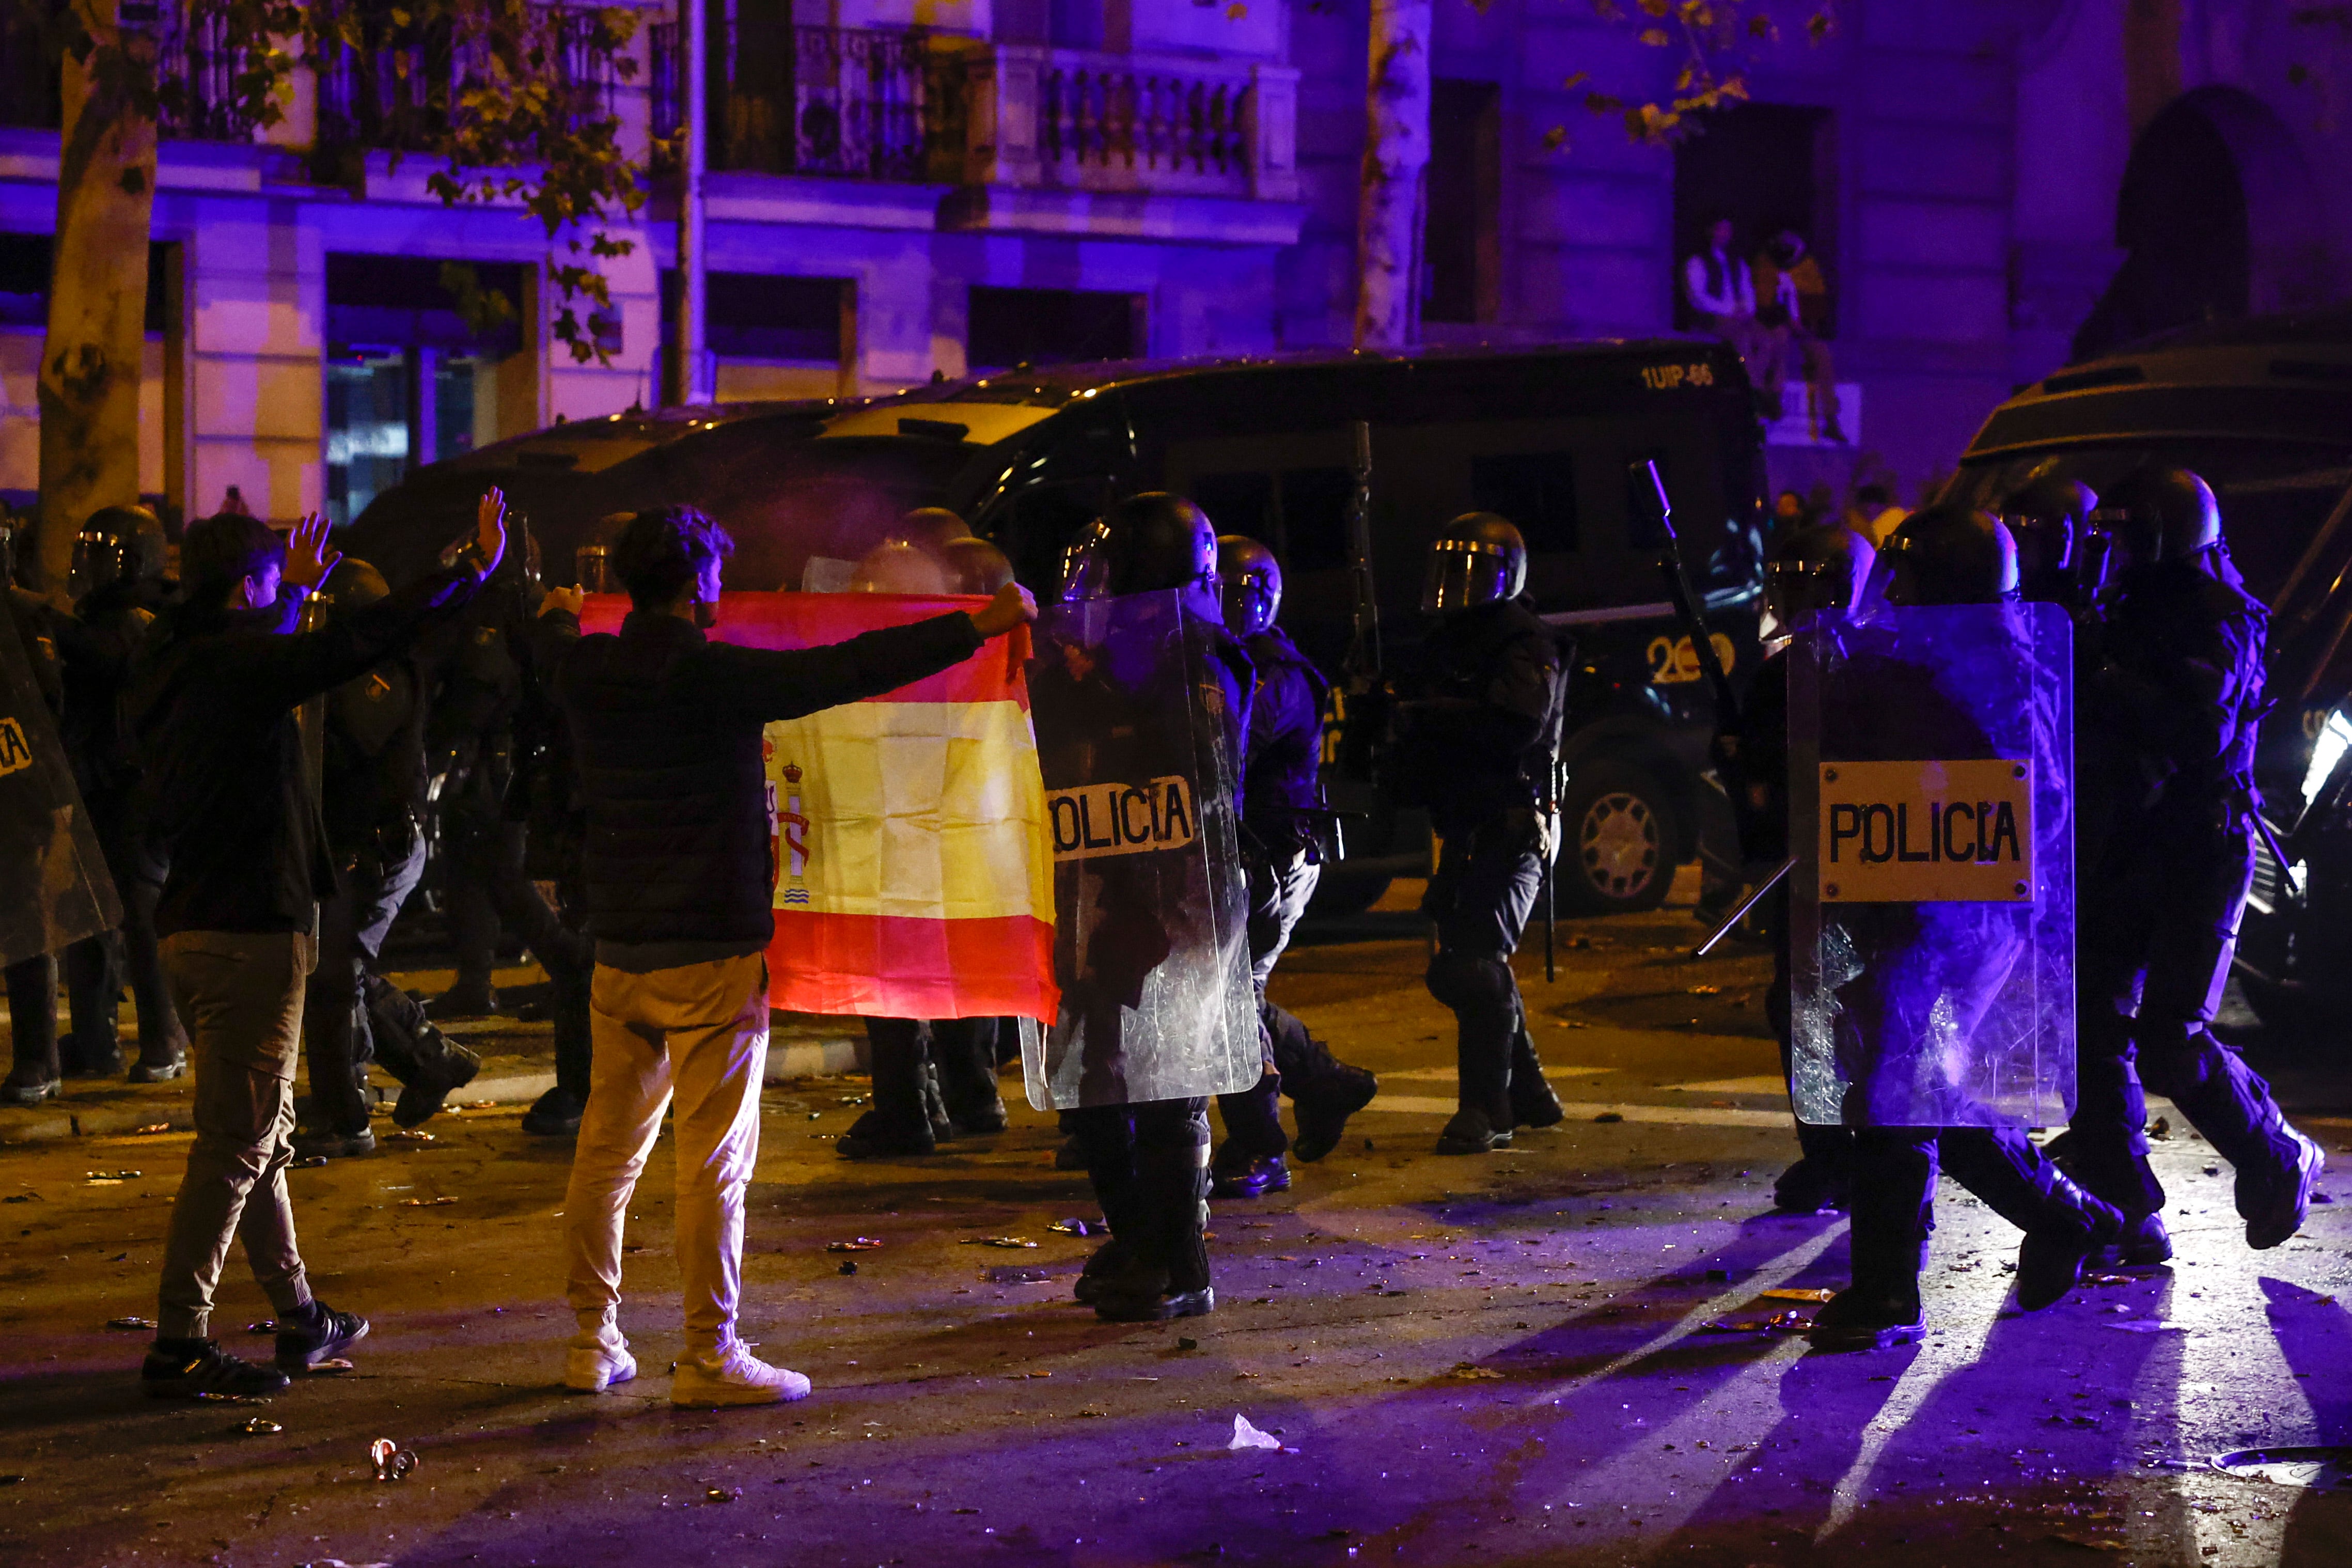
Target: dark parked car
{"type": "Point", "coordinates": [2263, 409]}
{"type": "Point", "coordinates": [1544, 436]}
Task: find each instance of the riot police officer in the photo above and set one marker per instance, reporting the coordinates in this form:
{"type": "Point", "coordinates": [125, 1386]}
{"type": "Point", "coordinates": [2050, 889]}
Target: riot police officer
{"type": "Point", "coordinates": [1941, 556]}
{"type": "Point", "coordinates": [1148, 1161]}
{"type": "Point", "coordinates": [1815, 576]}
{"type": "Point", "coordinates": [1283, 818]}
{"type": "Point", "coordinates": [1477, 741]}
{"type": "Point", "coordinates": [372, 797]}
{"type": "Point", "coordinates": [2049, 516]}
{"type": "Point", "coordinates": [2180, 687]}
{"type": "Point", "coordinates": [120, 585]}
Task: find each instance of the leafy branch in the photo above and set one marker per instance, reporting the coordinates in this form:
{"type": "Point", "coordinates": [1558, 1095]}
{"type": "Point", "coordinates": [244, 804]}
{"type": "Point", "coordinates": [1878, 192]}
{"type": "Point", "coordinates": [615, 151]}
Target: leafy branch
{"type": "Point", "coordinates": [1718, 42]}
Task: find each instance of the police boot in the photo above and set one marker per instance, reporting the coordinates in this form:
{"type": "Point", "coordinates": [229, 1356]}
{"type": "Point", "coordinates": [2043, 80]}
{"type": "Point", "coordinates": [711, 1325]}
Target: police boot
{"type": "Point", "coordinates": [1533, 1103]}
{"type": "Point", "coordinates": [93, 975]}
{"type": "Point", "coordinates": [1171, 1279]}
{"type": "Point", "coordinates": [466, 999]}
{"type": "Point", "coordinates": [2073, 1227]}
{"type": "Point", "coordinates": [2273, 1201]}
{"type": "Point", "coordinates": [442, 1067]}
{"type": "Point", "coordinates": [1249, 1161]}
{"type": "Point", "coordinates": [900, 1123]}
{"type": "Point", "coordinates": [1235, 1173]}
{"type": "Point", "coordinates": [33, 1075]}
{"type": "Point", "coordinates": [1894, 1184]}
{"type": "Point", "coordinates": [1474, 1130]}
{"type": "Point", "coordinates": [1811, 1185]}
{"type": "Point", "coordinates": [1324, 1090]}
{"type": "Point", "coordinates": [935, 1104]}
{"type": "Point", "coordinates": [2143, 1243]}
{"type": "Point", "coordinates": [963, 1051]}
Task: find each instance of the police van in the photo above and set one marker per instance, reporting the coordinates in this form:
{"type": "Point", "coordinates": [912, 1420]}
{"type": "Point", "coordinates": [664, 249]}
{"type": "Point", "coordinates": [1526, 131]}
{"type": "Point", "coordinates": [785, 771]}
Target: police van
{"type": "Point", "coordinates": [1546, 437]}
{"type": "Point", "coordinates": [2263, 410]}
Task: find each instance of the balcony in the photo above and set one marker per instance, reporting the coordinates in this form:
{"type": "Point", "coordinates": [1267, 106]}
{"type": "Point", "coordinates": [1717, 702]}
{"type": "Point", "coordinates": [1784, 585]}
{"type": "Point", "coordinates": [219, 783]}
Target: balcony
{"type": "Point", "coordinates": [194, 63]}
{"type": "Point", "coordinates": [1027, 130]}
{"type": "Point", "coordinates": [405, 89]}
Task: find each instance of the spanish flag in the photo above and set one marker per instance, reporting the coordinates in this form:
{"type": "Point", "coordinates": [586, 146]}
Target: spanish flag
{"type": "Point", "coordinates": [914, 867]}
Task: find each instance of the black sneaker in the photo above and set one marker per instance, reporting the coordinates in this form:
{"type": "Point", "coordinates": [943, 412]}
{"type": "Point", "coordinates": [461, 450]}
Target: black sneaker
{"type": "Point", "coordinates": [1323, 1110]}
{"type": "Point", "coordinates": [1250, 1179]}
{"type": "Point", "coordinates": [446, 1066]}
{"type": "Point", "coordinates": [1856, 1319]}
{"type": "Point", "coordinates": [555, 1114]}
{"type": "Point", "coordinates": [196, 1369]}
{"type": "Point", "coordinates": [328, 1335]}
{"type": "Point", "coordinates": [1471, 1132]}
{"type": "Point", "coordinates": [326, 1144]}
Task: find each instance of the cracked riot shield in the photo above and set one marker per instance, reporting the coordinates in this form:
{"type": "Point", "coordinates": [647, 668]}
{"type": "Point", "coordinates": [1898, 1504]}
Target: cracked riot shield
{"type": "Point", "coordinates": [1932, 904]}
{"type": "Point", "coordinates": [54, 889]}
{"type": "Point", "coordinates": [1151, 946]}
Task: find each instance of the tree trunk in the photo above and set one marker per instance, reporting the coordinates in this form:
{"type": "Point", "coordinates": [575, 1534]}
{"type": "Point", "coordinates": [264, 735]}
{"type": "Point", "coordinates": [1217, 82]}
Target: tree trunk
{"type": "Point", "coordinates": [98, 291]}
{"type": "Point", "coordinates": [1396, 162]}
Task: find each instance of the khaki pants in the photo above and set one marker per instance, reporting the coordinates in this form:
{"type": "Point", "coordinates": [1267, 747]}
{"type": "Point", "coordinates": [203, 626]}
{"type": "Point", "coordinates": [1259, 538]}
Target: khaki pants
{"type": "Point", "coordinates": [239, 993]}
{"type": "Point", "coordinates": [699, 1033]}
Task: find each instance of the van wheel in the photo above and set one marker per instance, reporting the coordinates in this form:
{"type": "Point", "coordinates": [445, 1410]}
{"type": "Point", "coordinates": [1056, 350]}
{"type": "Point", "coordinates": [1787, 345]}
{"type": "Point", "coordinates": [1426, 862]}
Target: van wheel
{"type": "Point", "coordinates": [1616, 829]}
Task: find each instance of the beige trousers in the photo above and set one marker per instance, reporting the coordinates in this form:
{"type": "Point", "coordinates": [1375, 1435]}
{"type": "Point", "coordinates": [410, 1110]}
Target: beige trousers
{"type": "Point", "coordinates": [698, 1033]}
{"type": "Point", "coordinates": [240, 995]}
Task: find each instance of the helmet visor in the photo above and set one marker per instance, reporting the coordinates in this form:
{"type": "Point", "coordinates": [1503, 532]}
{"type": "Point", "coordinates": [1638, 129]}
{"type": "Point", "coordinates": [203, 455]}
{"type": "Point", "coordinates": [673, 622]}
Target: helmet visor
{"type": "Point", "coordinates": [1249, 601]}
{"type": "Point", "coordinates": [1086, 564]}
{"type": "Point", "coordinates": [1462, 574]}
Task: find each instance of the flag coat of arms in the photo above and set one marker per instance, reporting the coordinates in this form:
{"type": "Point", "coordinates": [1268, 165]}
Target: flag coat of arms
{"type": "Point", "coordinates": [913, 861]}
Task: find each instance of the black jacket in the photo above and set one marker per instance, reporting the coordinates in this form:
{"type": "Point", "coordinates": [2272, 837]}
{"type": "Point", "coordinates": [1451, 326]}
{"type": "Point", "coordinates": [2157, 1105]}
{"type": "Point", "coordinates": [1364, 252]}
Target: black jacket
{"type": "Point", "coordinates": [1282, 790]}
{"type": "Point", "coordinates": [212, 707]}
{"type": "Point", "coordinates": [666, 727]}
{"type": "Point", "coordinates": [1481, 730]}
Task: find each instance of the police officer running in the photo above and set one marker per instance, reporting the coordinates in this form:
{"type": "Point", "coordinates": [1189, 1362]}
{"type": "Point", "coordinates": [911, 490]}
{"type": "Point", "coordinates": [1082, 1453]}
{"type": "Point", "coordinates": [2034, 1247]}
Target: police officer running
{"type": "Point", "coordinates": [1893, 963]}
{"type": "Point", "coordinates": [2180, 689]}
{"type": "Point", "coordinates": [1476, 745]}
{"type": "Point", "coordinates": [1282, 815]}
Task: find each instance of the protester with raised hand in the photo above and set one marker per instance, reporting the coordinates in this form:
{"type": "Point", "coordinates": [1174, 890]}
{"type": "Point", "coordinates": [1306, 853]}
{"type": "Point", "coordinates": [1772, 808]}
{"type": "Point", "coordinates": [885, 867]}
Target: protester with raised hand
{"type": "Point", "coordinates": [213, 707]}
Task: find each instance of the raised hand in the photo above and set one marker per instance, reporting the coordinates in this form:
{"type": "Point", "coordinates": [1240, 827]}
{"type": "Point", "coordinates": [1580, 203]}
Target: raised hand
{"type": "Point", "coordinates": [568, 600]}
{"type": "Point", "coordinates": [310, 555]}
{"type": "Point", "coordinates": [490, 530]}
{"type": "Point", "coordinates": [1012, 607]}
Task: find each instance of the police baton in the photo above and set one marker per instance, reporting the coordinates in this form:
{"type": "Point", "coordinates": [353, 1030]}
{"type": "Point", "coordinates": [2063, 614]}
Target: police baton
{"type": "Point", "coordinates": [1750, 902]}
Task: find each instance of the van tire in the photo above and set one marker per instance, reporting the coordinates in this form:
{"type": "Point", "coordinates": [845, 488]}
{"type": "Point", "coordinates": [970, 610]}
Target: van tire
{"type": "Point", "coordinates": [1618, 837]}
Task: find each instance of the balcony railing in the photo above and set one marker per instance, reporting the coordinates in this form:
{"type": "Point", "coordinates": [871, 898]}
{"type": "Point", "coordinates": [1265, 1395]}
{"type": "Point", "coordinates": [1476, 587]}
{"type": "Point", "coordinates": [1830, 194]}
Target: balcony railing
{"type": "Point", "coordinates": [403, 88]}
{"type": "Point", "coordinates": [195, 73]}
{"type": "Point", "coordinates": [864, 103]}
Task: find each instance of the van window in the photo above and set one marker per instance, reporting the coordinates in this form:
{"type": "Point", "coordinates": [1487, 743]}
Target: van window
{"type": "Point", "coordinates": [1301, 514]}
{"type": "Point", "coordinates": [1536, 490]}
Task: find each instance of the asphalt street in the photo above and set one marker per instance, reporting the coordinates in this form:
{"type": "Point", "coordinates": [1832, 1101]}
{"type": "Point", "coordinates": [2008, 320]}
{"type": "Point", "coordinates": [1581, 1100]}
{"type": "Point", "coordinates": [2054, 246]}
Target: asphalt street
{"type": "Point", "coordinates": [1570, 1351]}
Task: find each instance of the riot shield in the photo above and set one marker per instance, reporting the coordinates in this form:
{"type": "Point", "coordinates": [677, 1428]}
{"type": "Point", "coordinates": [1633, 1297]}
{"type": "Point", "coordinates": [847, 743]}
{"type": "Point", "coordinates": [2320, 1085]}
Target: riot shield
{"type": "Point", "coordinates": [1932, 905]}
{"type": "Point", "coordinates": [54, 889]}
{"type": "Point", "coordinates": [1150, 903]}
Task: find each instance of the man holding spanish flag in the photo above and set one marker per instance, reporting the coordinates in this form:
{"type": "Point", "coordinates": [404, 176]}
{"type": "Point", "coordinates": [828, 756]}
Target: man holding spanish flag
{"type": "Point", "coordinates": [669, 728]}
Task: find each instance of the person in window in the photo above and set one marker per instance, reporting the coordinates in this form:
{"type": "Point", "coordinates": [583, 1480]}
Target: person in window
{"type": "Point", "coordinates": [1722, 293]}
{"type": "Point", "coordinates": [1792, 311]}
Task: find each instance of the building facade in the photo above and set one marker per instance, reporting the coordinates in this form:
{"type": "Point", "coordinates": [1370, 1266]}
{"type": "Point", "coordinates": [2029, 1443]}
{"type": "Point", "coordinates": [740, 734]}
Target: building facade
{"type": "Point", "coordinates": [901, 189]}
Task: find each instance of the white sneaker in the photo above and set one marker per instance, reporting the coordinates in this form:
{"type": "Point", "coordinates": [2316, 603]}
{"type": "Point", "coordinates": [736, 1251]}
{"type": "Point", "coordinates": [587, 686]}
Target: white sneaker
{"type": "Point", "coordinates": [593, 1365]}
{"type": "Point", "coordinates": [734, 1376]}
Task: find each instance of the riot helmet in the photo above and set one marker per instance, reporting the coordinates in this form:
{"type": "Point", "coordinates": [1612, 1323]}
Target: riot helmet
{"type": "Point", "coordinates": [1145, 543]}
{"type": "Point", "coordinates": [2048, 514]}
{"type": "Point", "coordinates": [1250, 581]}
{"type": "Point", "coordinates": [930, 527]}
{"type": "Point", "coordinates": [1480, 559]}
{"type": "Point", "coordinates": [2158, 514]}
{"type": "Point", "coordinates": [357, 585]}
{"type": "Point", "coordinates": [117, 544]}
{"type": "Point", "coordinates": [1947, 555]}
{"type": "Point", "coordinates": [1815, 572]}
{"type": "Point", "coordinates": [974, 566]}
{"type": "Point", "coordinates": [898, 566]}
